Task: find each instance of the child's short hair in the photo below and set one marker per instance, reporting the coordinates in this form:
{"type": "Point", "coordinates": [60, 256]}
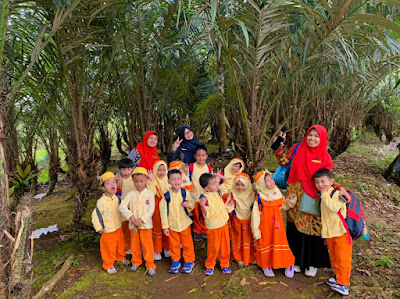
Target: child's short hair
{"type": "Point", "coordinates": [205, 179]}
{"type": "Point", "coordinates": [125, 163]}
{"type": "Point", "coordinates": [174, 171]}
{"type": "Point", "coordinates": [323, 172]}
{"type": "Point", "coordinates": [201, 147]}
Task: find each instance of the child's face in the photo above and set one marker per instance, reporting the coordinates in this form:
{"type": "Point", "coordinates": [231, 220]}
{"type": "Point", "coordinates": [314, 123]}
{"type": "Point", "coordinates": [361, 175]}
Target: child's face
{"type": "Point", "coordinates": [269, 182]}
{"type": "Point", "coordinates": [323, 183]}
{"type": "Point", "coordinates": [152, 141]}
{"type": "Point", "coordinates": [201, 156]}
{"type": "Point", "coordinates": [161, 171]}
{"type": "Point", "coordinates": [313, 139]}
{"type": "Point", "coordinates": [236, 168]}
{"type": "Point", "coordinates": [240, 187]}
{"type": "Point", "coordinates": [188, 134]}
{"type": "Point", "coordinates": [140, 180]}
{"type": "Point", "coordinates": [126, 172]}
{"type": "Point", "coordinates": [175, 180]}
{"type": "Point", "coordinates": [213, 185]}
{"type": "Point", "coordinates": [110, 187]}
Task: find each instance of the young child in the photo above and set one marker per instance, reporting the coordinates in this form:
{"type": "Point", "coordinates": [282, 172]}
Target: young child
{"type": "Point", "coordinates": [125, 185]}
{"type": "Point", "coordinates": [268, 228]}
{"type": "Point", "coordinates": [138, 207]}
{"type": "Point", "coordinates": [339, 244]}
{"type": "Point", "coordinates": [234, 167]}
{"type": "Point", "coordinates": [239, 203]}
{"type": "Point", "coordinates": [159, 185]}
{"type": "Point", "coordinates": [106, 221]}
{"type": "Point", "coordinates": [186, 183]}
{"type": "Point", "coordinates": [195, 171]}
{"type": "Point", "coordinates": [174, 208]}
{"type": "Point", "coordinates": [216, 218]}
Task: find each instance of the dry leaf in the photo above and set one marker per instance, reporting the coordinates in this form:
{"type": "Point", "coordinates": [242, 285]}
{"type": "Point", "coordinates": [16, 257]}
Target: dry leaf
{"type": "Point", "coordinates": [254, 278]}
{"type": "Point", "coordinates": [282, 283]}
{"type": "Point", "coordinates": [243, 281]}
{"type": "Point", "coordinates": [73, 270]}
{"type": "Point", "coordinates": [170, 278]}
{"type": "Point", "coordinates": [221, 294]}
{"type": "Point", "coordinates": [192, 290]}
{"type": "Point", "coordinates": [94, 270]}
{"type": "Point", "coordinates": [267, 282]}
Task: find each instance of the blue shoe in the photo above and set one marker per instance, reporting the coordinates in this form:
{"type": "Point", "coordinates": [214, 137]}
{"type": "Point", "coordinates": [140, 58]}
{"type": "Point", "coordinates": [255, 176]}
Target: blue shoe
{"type": "Point", "coordinates": [341, 289]}
{"type": "Point", "coordinates": [209, 272]}
{"type": "Point", "coordinates": [197, 238]}
{"type": "Point", "coordinates": [331, 281]}
{"type": "Point", "coordinates": [187, 267]}
{"type": "Point", "coordinates": [226, 270]}
{"type": "Point", "coordinates": [174, 267]}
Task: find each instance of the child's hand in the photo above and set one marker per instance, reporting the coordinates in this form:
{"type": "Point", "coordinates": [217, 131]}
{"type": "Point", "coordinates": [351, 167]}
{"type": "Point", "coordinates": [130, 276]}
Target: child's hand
{"type": "Point", "coordinates": [101, 231]}
{"type": "Point", "coordinates": [166, 232]}
{"type": "Point", "coordinates": [282, 135]}
{"type": "Point", "coordinates": [176, 144]}
{"type": "Point", "coordinates": [231, 202]}
{"type": "Point", "coordinates": [119, 182]}
{"type": "Point", "coordinates": [292, 196]}
{"type": "Point", "coordinates": [185, 204]}
{"type": "Point", "coordinates": [138, 222]}
{"type": "Point", "coordinates": [151, 175]}
{"type": "Point", "coordinates": [132, 219]}
{"type": "Point", "coordinates": [344, 195]}
{"type": "Point", "coordinates": [187, 169]}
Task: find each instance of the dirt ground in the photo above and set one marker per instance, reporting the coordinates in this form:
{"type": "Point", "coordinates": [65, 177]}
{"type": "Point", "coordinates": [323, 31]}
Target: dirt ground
{"type": "Point", "coordinates": [375, 270]}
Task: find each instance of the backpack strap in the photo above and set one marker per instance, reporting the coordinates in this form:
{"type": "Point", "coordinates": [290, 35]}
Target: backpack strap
{"type": "Point", "coordinates": [183, 193]}
{"type": "Point", "coordinates": [260, 204]}
{"type": "Point", "coordinates": [167, 197]}
{"type": "Point", "coordinates": [119, 199]}
{"type": "Point", "coordinates": [234, 211]}
{"type": "Point", "coordinates": [209, 168]}
{"type": "Point", "coordinates": [294, 152]}
{"type": "Point", "coordinates": [201, 196]}
{"type": "Point", "coordinates": [191, 166]}
{"type": "Point", "coordinates": [343, 220]}
{"type": "Point", "coordinates": [100, 217]}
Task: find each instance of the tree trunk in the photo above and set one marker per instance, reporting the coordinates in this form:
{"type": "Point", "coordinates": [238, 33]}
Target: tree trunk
{"type": "Point", "coordinates": [119, 143]}
{"type": "Point", "coordinates": [104, 143]}
{"type": "Point", "coordinates": [54, 161]}
{"type": "Point", "coordinates": [223, 138]}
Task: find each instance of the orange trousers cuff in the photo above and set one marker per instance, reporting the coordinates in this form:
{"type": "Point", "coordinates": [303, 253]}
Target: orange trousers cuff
{"type": "Point", "coordinates": [112, 248]}
{"type": "Point", "coordinates": [340, 254]}
{"type": "Point", "coordinates": [218, 242]}
{"type": "Point", "coordinates": [142, 242]}
{"type": "Point", "coordinates": [184, 238]}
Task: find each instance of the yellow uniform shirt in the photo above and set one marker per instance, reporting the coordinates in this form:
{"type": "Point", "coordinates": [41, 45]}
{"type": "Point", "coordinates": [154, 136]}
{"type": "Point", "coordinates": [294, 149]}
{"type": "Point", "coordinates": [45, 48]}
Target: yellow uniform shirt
{"type": "Point", "coordinates": [217, 216]}
{"type": "Point", "coordinates": [108, 207]}
{"type": "Point", "coordinates": [177, 220]}
{"type": "Point", "coordinates": [127, 186]}
{"type": "Point", "coordinates": [197, 172]}
{"type": "Point", "coordinates": [242, 206]}
{"type": "Point", "coordinates": [140, 205]}
{"type": "Point", "coordinates": [332, 226]}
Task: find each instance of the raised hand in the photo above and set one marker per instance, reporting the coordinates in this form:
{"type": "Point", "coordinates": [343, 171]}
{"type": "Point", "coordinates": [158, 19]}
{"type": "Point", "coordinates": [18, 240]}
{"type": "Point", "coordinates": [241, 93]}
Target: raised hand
{"type": "Point", "coordinates": [176, 144]}
{"type": "Point", "coordinates": [151, 175]}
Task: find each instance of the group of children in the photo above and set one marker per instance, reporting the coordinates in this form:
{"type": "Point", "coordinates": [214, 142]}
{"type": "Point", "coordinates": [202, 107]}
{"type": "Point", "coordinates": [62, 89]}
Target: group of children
{"type": "Point", "coordinates": [143, 213]}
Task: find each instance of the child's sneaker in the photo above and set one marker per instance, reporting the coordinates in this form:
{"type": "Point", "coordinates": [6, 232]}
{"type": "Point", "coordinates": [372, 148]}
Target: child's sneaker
{"type": "Point", "coordinates": [241, 264]}
{"type": "Point", "coordinates": [152, 272]}
{"type": "Point", "coordinates": [111, 270]}
{"type": "Point", "coordinates": [157, 256]}
{"type": "Point", "coordinates": [296, 269]}
{"type": "Point", "coordinates": [204, 236]}
{"type": "Point", "coordinates": [128, 252]}
{"type": "Point", "coordinates": [268, 272]}
{"type": "Point", "coordinates": [341, 289]}
{"type": "Point", "coordinates": [289, 272]}
{"type": "Point", "coordinates": [226, 270]}
{"type": "Point", "coordinates": [197, 237]}
{"type": "Point", "coordinates": [174, 267]}
{"type": "Point", "coordinates": [124, 262]}
{"type": "Point", "coordinates": [331, 281]}
{"type": "Point", "coordinates": [134, 268]}
{"type": "Point", "coordinates": [209, 272]}
{"type": "Point", "coordinates": [187, 267]}
{"type": "Point", "coordinates": [167, 253]}
{"type": "Point", "coordinates": [311, 271]}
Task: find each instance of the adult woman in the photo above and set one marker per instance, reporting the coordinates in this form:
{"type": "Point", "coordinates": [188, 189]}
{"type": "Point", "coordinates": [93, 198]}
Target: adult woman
{"type": "Point", "coordinates": [184, 146]}
{"type": "Point", "coordinates": [145, 154]}
{"type": "Point", "coordinates": [304, 226]}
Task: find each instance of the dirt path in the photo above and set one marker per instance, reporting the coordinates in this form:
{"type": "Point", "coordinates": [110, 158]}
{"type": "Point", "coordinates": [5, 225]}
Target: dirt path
{"type": "Point", "coordinates": [375, 263]}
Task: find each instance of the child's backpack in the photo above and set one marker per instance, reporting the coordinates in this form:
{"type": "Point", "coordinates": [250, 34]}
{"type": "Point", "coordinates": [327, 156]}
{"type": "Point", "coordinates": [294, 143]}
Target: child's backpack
{"type": "Point", "coordinates": [167, 197]}
{"type": "Point", "coordinates": [355, 220]}
{"type": "Point", "coordinates": [281, 175]}
{"type": "Point", "coordinates": [101, 217]}
{"type": "Point", "coordinates": [260, 204]}
{"type": "Point", "coordinates": [191, 165]}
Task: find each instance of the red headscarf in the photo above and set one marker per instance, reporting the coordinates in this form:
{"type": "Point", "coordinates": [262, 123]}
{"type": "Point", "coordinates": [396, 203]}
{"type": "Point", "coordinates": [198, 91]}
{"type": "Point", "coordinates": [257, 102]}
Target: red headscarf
{"type": "Point", "coordinates": [308, 160]}
{"type": "Point", "coordinates": [148, 155]}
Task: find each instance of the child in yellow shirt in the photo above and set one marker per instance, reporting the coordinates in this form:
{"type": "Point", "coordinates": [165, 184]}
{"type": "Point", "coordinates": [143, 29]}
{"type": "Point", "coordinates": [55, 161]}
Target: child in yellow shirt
{"type": "Point", "coordinates": [138, 207]}
{"type": "Point", "coordinates": [106, 221]}
{"type": "Point", "coordinates": [125, 185]}
{"type": "Point", "coordinates": [216, 220]}
{"type": "Point", "coordinates": [174, 208]}
{"type": "Point", "coordinates": [339, 244]}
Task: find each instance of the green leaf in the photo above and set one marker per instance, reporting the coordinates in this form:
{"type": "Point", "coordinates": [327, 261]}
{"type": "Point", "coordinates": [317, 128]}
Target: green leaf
{"type": "Point", "coordinates": [307, 46]}
{"type": "Point", "coordinates": [192, 290]}
{"type": "Point", "coordinates": [245, 32]}
{"type": "Point", "coordinates": [214, 6]}
{"type": "Point", "coordinates": [27, 171]}
{"type": "Point", "coordinates": [20, 171]}
{"type": "Point", "coordinates": [11, 191]}
{"type": "Point", "coordinates": [16, 183]}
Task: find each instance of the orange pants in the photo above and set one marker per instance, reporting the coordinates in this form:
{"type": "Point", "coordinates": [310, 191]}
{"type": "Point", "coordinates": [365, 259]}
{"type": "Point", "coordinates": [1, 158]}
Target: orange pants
{"type": "Point", "coordinates": [160, 240]}
{"type": "Point", "coordinates": [198, 221]}
{"type": "Point", "coordinates": [112, 248]}
{"type": "Point", "coordinates": [340, 253]}
{"type": "Point", "coordinates": [184, 238]}
{"type": "Point", "coordinates": [243, 249]}
{"type": "Point", "coordinates": [142, 241]}
{"type": "Point", "coordinates": [218, 242]}
{"type": "Point", "coordinates": [127, 235]}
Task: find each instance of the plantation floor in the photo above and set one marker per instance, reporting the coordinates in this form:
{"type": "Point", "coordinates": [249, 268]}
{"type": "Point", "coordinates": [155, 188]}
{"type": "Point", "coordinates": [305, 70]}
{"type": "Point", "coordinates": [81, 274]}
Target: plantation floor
{"type": "Point", "coordinates": [376, 271]}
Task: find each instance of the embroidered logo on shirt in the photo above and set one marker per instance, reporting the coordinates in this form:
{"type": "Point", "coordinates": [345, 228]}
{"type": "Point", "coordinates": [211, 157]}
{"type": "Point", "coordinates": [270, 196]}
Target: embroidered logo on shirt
{"type": "Point", "coordinates": [147, 202]}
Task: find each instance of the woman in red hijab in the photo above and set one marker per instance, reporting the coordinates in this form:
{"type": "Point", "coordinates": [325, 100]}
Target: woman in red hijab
{"type": "Point", "coordinates": [304, 228]}
{"type": "Point", "coordinates": [145, 154]}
